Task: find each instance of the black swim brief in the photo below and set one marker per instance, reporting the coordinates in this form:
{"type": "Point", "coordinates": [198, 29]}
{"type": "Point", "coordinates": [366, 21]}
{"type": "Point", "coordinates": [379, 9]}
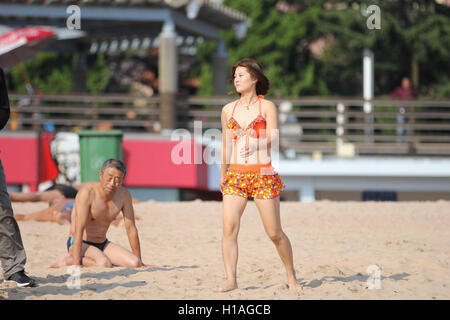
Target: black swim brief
{"type": "Point", "coordinates": [68, 191]}
{"type": "Point", "coordinates": [100, 246]}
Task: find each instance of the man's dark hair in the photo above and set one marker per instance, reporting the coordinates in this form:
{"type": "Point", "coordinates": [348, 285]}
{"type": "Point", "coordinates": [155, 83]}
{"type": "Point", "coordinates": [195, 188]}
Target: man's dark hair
{"type": "Point", "coordinates": [4, 101]}
{"type": "Point", "coordinates": [114, 163]}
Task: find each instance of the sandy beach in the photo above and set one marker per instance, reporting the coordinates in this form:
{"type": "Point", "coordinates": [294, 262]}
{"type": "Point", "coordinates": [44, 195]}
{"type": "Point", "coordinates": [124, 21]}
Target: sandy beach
{"type": "Point", "coordinates": [335, 246]}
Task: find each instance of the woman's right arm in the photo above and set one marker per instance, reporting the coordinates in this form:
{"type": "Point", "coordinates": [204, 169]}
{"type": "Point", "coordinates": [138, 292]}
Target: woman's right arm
{"type": "Point", "coordinates": [226, 148]}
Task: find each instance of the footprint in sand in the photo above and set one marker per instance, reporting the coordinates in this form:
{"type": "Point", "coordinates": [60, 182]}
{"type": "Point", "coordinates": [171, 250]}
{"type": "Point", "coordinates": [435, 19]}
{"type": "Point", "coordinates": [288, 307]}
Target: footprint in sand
{"type": "Point", "coordinates": [323, 268]}
{"type": "Point", "coordinates": [265, 277]}
{"type": "Point", "coordinates": [353, 289]}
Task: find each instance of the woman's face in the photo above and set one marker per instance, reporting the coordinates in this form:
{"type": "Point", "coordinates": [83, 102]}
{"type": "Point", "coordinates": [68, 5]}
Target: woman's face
{"type": "Point", "coordinates": [243, 81]}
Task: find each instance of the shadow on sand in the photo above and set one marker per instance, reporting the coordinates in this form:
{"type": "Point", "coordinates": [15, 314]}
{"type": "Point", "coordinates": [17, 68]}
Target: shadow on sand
{"type": "Point", "coordinates": [46, 286]}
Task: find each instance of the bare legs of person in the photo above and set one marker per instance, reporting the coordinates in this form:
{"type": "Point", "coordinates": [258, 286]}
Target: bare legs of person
{"type": "Point", "coordinates": [269, 210]}
{"type": "Point", "coordinates": [46, 196]}
{"type": "Point", "coordinates": [233, 208]}
{"type": "Point", "coordinates": [112, 255]}
{"type": "Point", "coordinates": [53, 213]}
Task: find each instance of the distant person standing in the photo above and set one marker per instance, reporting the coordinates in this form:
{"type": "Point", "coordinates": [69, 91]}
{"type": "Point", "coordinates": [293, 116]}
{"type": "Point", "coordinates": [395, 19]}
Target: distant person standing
{"type": "Point", "coordinates": [12, 253]}
{"type": "Point", "coordinates": [405, 92]}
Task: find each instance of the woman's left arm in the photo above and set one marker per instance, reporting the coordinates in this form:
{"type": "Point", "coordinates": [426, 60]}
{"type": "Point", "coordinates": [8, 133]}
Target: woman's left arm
{"type": "Point", "coordinates": [272, 129]}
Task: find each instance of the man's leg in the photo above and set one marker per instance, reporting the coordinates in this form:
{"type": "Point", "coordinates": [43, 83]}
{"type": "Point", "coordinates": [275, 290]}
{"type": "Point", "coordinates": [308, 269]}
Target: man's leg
{"type": "Point", "coordinates": [12, 253]}
{"type": "Point", "coordinates": [67, 260]}
{"type": "Point", "coordinates": [94, 257]}
{"type": "Point", "coordinates": [121, 257]}
{"type": "Point", "coordinates": [90, 257]}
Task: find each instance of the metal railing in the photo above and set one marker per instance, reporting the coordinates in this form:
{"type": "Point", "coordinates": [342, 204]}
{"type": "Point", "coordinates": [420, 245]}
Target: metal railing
{"type": "Point", "coordinates": [307, 125]}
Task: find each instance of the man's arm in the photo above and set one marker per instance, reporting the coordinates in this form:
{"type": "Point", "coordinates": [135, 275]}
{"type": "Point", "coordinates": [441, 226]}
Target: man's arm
{"type": "Point", "coordinates": [130, 226]}
{"type": "Point", "coordinates": [82, 207]}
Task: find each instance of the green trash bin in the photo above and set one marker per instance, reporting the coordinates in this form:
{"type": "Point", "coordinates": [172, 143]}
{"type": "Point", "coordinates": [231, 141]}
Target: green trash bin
{"type": "Point", "coordinates": [97, 146]}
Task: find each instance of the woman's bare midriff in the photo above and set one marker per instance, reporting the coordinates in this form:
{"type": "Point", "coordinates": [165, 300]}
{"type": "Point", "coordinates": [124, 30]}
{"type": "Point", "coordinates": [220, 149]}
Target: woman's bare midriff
{"type": "Point", "coordinates": [259, 155]}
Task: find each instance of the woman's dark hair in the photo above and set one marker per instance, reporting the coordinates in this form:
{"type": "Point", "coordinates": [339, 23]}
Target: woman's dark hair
{"type": "Point", "coordinates": [255, 70]}
{"type": "Point", "coordinates": [114, 163]}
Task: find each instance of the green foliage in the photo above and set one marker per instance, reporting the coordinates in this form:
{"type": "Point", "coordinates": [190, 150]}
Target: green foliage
{"type": "Point", "coordinates": [203, 69]}
{"type": "Point", "coordinates": [98, 75]}
{"type": "Point", "coordinates": [48, 72]}
{"type": "Point", "coordinates": [413, 41]}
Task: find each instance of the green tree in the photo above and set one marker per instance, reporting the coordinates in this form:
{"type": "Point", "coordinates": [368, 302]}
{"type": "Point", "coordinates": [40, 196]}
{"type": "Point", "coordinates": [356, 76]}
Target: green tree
{"type": "Point", "coordinates": [202, 68]}
{"type": "Point", "coordinates": [98, 75]}
{"type": "Point", "coordinates": [276, 40]}
{"type": "Point", "coordinates": [48, 72]}
{"type": "Point", "coordinates": [413, 41]}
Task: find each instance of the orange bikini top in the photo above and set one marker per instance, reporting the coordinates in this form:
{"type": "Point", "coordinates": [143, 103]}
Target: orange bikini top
{"type": "Point", "coordinates": [253, 129]}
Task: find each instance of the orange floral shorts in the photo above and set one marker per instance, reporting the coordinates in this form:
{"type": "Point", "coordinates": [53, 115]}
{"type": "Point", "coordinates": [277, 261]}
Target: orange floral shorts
{"type": "Point", "coordinates": [257, 181]}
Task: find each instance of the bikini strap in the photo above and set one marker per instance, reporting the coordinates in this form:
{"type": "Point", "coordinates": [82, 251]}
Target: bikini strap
{"type": "Point", "coordinates": [235, 106]}
{"type": "Point", "coordinates": [259, 106]}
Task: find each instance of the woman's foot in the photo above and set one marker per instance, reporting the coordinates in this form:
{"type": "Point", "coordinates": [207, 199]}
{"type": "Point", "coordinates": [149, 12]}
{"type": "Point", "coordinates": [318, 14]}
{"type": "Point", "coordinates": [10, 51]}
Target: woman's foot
{"type": "Point", "coordinates": [294, 286]}
{"type": "Point", "coordinates": [229, 286]}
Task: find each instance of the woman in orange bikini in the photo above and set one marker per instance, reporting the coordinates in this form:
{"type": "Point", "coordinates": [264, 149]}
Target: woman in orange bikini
{"type": "Point", "coordinates": [246, 169]}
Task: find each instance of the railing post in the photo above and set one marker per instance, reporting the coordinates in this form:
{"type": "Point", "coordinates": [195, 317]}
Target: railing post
{"type": "Point", "coordinates": [368, 120]}
{"type": "Point", "coordinates": [368, 79]}
{"type": "Point", "coordinates": [340, 120]}
{"type": "Point", "coordinates": [168, 75]}
{"type": "Point", "coordinates": [220, 69]}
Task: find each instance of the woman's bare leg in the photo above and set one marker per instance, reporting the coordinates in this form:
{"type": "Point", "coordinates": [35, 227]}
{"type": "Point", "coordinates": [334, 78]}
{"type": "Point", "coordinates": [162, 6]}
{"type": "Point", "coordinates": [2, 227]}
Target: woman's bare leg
{"type": "Point", "coordinates": [269, 210]}
{"type": "Point", "coordinates": [233, 207]}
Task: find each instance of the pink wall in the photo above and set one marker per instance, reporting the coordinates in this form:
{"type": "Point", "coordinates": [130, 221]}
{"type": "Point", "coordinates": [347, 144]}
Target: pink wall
{"type": "Point", "coordinates": [19, 154]}
{"type": "Point", "coordinates": [148, 163]}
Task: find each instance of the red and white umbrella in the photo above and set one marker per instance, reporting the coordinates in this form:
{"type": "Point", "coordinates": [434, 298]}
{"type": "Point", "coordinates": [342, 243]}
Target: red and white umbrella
{"type": "Point", "coordinates": [23, 44]}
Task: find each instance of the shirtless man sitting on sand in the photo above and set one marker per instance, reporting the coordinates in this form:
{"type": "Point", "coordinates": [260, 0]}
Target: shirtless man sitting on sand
{"type": "Point", "coordinates": [97, 205]}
